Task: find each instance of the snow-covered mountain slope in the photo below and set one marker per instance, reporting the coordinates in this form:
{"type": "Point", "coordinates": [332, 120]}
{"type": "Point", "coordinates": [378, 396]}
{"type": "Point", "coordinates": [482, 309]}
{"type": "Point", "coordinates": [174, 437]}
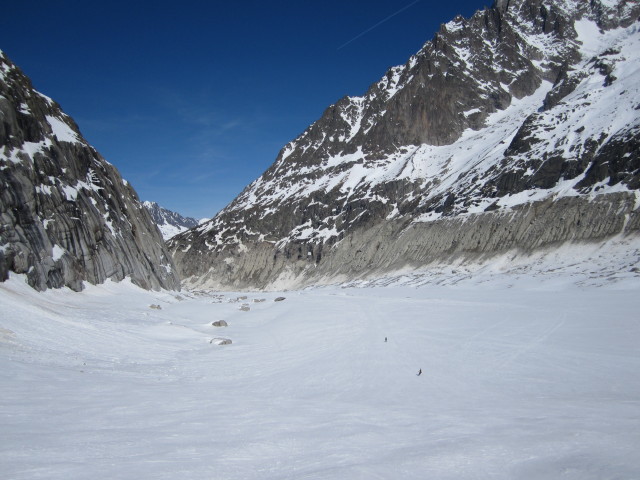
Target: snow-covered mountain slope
{"type": "Point", "coordinates": [514, 125]}
{"type": "Point", "coordinates": [529, 372]}
{"type": "Point", "coordinates": [66, 215]}
{"type": "Point", "coordinates": [170, 223]}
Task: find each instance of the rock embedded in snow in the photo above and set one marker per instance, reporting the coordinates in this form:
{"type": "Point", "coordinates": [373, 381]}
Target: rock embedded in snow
{"type": "Point", "coordinates": [220, 323]}
{"type": "Point", "coordinates": [66, 215]}
{"type": "Point", "coordinates": [6, 335]}
{"type": "Point", "coordinates": [221, 341]}
{"type": "Point", "coordinates": [516, 128]}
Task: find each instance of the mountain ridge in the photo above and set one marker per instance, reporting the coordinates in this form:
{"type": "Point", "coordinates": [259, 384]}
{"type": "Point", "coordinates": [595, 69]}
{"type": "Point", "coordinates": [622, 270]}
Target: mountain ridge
{"type": "Point", "coordinates": [468, 125]}
{"type": "Point", "coordinates": [169, 222]}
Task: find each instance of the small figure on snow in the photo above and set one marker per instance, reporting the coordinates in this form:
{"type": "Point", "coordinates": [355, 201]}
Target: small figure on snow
{"type": "Point", "coordinates": [419, 372]}
{"type": "Point", "coordinates": [385, 339]}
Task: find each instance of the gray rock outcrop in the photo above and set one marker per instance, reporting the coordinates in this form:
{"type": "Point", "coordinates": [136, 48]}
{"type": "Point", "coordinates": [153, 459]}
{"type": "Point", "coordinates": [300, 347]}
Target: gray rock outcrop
{"type": "Point", "coordinates": [66, 215]}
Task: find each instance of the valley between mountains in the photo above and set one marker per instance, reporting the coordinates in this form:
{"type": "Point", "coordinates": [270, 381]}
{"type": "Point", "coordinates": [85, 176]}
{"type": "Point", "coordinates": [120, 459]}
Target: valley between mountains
{"type": "Point", "coordinates": [437, 279]}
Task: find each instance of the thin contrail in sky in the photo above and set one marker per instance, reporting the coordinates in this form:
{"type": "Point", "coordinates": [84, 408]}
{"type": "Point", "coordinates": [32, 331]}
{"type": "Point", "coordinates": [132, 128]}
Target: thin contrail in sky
{"type": "Point", "coordinates": [378, 24]}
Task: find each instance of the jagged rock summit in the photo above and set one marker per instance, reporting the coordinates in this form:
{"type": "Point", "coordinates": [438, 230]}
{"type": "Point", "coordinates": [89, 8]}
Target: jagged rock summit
{"type": "Point", "coordinates": [170, 223]}
{"type": "Point", "coordinates": [515, 129]}
{"type": "Point", "coordinates": [66, 215]}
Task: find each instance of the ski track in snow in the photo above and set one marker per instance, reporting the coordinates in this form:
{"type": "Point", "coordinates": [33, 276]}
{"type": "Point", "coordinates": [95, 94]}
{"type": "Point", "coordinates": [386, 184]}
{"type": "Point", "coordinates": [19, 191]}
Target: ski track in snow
{"type": "Point", "coordinates": [525, 375]}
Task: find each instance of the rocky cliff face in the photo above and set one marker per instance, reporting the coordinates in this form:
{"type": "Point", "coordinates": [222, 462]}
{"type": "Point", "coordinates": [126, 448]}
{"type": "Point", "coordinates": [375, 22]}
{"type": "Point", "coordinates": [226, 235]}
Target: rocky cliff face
{"type": "Point", "coordinates": [66, 215]}
{"type": "Point", "coordinates": [516, 128]}
{"type": "Point", "coordinates": [170, 223]}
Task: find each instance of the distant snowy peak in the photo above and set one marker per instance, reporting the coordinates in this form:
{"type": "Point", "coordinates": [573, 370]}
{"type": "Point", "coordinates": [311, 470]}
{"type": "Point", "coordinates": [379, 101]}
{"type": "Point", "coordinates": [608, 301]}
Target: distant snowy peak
{"type": "Point", "coordinates": [528, 101]}
{"type": "Point", "coordinates": [170, 223]}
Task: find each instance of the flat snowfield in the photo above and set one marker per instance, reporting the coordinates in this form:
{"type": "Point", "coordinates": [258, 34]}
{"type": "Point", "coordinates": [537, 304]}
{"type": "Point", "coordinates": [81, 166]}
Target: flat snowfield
{"type": "Point", "coordinates": [521, 379]}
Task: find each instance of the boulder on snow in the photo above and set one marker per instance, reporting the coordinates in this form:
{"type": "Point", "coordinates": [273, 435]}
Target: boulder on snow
{"type": "Point", "coordinates": [220, 323]}
{"type": "Point", "coordinates": [6, 335]}
{"type": "Point", "coordinates": [221, 341]}
{"type": "Point", "coordinates": [155, 307]}
{"type": "Point", "coordinates": [279, 299]}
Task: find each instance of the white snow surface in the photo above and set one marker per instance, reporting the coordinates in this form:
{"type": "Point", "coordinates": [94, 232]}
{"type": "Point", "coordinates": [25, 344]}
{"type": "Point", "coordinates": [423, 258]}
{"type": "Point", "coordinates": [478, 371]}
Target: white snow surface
{"type": "Point", "coordinates": [57, 252]}
{"type": "Point", "coordinates": [62, 130]}
{"type": "Point", "coordinates": [529, 371]}
{"type": "Point", "coordinates": [168, 230]}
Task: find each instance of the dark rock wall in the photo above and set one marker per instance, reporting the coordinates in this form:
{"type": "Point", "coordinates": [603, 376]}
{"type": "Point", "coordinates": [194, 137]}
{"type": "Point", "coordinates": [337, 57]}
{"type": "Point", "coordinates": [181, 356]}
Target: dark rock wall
{"type": "Point", "coordinates": [66, 215]}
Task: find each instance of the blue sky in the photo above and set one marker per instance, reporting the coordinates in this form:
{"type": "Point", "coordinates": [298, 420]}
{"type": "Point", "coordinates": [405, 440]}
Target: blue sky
{"type": "Point", "coordinates": [192, 101]}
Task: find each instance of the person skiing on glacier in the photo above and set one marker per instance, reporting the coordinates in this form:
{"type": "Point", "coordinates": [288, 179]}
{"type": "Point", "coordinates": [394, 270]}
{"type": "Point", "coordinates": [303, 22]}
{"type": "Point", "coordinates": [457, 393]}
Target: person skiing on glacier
{"type": "Point", "coordinates": [419, 372]}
